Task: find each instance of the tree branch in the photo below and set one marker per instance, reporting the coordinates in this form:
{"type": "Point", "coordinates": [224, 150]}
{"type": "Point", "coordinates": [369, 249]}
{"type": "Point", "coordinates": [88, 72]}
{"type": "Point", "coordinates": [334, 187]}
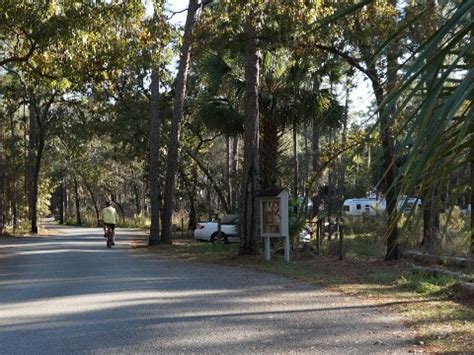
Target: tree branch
{"type": "Point", "coordinates": [20, 59]}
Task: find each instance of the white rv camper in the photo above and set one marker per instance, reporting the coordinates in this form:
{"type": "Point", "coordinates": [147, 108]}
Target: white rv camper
{"type": "Point", "coordinates": [359, 206]}
{"type": "Point", "coordinates": [374, 206]}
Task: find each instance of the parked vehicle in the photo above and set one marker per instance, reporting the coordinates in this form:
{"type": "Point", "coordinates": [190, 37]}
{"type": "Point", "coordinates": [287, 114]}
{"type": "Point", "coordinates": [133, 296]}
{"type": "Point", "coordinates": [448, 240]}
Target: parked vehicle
{"type": "Point", "coordinates": [305, 235]}
{"type": "Point", "coordinates": [207, 231]}
{"type": "Point", "coordinates": [359, 206]}
{"type": "Point", "coordinates": [374, 206]}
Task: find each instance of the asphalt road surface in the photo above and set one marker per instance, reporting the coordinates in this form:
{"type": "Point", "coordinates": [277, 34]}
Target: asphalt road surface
{"type": "Point", "coordinates": [70, 294]}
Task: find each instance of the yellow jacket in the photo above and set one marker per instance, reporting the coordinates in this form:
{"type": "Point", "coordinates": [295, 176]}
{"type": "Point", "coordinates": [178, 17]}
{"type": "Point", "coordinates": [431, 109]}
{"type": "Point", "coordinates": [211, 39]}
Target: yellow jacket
{"type": "Point", "coordinates": [109, 215]}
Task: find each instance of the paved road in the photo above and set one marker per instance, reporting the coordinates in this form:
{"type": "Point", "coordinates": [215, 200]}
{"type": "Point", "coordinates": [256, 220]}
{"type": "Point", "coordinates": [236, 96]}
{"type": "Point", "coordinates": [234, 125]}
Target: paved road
{"type": "Point", "coordinates": [69, 294]}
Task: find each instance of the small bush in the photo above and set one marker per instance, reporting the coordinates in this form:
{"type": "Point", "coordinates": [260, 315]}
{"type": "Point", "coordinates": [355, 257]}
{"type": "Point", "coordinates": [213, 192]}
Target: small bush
{"type": "Point", "coordinates": [372, 226]}
{"type": "Point", "coordinates": [138, 221]}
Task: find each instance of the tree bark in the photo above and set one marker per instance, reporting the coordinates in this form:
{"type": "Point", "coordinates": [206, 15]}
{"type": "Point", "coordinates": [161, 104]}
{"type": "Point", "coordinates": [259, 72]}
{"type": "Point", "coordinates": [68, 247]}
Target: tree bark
{"type": "Point", "coordinates": [62, 202]}
{"type": "Point", "coordinates": [306, 170]}
{"type": "Point", "coordinates": [78, 202]}
{"type": "Point", "coordinates": [190, 189]}
{"type": "Point", "coordinates": [35, 186]}
{"type": "Point", "coordinates": [31, 152]}
{"type": "Point", "coordinates": [227, 170]}
{"type": "Point", "coordinates": [154, 176]}
{"type": "Point", "coordinates": [316, 166]}
{"type": "Point", "coordinates": [471, 164]}
{"type": "Point", "coordinates": [249, 188]}
{"type": "Point", "coordinates": [234, 179]}
{"type": "Point", "coordinates": [180, 93]}
{"type": "Point", "coordinates": [295, 162]}
{"type": "Point", "coordinates": [388, 181]}
{"type": "Point", "coordinates": [94, 200]}
{"type": "Point", "coordinates": [136, 192]}
{"type": "Point", "coordinates": [13, 153]}
{"type": "Point", "coordinates": [431, 208]}
{"type": "Point", "coordinates": [36, 146]}
{"type": "Point", "coordinates": [315, 155]}
{"type": "Point", "coordinates": [2, 175]}
{"type": "Point", "coordinates": [431, 221]}
{"type": "Point", "coordinates": [342, 160]}
{"type": "Point", "coordinates": [472, 190]}
{"type": "Point", "coordinates": [332, 181]}
{"type": "Point", "coordinates": [389, 162]}
{"type": "Point", "coordinates": [269, 150]}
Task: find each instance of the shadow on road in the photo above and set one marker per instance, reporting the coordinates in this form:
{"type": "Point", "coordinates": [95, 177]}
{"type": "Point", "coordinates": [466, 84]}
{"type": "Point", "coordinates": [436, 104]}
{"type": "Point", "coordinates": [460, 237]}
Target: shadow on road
{"type": "Point", "coordinates": [70, 293]}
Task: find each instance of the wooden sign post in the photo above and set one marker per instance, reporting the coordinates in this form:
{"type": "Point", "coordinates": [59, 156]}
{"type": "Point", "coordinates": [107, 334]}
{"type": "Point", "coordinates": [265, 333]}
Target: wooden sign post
{"type": "Point", "coordinates": [274, 218]}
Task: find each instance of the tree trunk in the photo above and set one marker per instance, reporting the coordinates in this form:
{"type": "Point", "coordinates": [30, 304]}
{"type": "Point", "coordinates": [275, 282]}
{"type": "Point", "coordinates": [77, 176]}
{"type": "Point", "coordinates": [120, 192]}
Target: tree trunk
{"type": "Point", "coordinates": [13, 153]}
{"type": "Point", "coordinates": [388, 181]}
{"type": "Point", "coordinates": [227, 170]}
{"type": "Point", "coordinates": [342, 160]}
{"type": "Point", "coordinates": [61, 202]}
{"type": "Point", "coordinates": [191, 190]}
{"type": "Point", "coordinates": [295, 162]}
{"type": "Point", "coordinates": [154, 176]}
{"type": "Point", "coordinates": [332, 180]}
{"type": "Point", "coordinates": [35, 186]}
{"type": "Point", "coordinates": [65, 200]}
{"type": "Point", "coordinates": [316, 167]}
{"type": "Point", "coordinates": [136, 192]}
{"type": "Point", "coordinates": [2, 175]}
{"type": "Point", "coordinates": [269, 151]}
{"type": "Point", "coordinates": [315, 154]}
{"type": "Point", "coordinates": [248, 209]}
{"type": "Point", "coordinates": [431, 208]}
{"type": "Point", "coordinates": [31, 153]}
{"type": "Point", "coordinates": [94, 200]}
{"type": "Point", "coordinates": [180, 93]}
{"type": "Point", "coordinates": [431, 205]}
{"type": "Point", "coordinates": [471, 165]}
{"type": "Point", "coordinates": [78, 202]}
{"type": "Point", "coordinates": [234, 177]}
{"type": "Point", "coordinates": [389, 163]}
{"type": "Point", "coordinates": [306, 170]}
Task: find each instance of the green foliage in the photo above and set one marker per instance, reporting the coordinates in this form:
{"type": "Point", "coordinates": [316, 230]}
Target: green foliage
{"type": "Point", "coordinates": [138, 221]}
{"type": "Point", "coordinates": [296, 222]}
{"type": "Point", "coordinates": [371, 226]}
{"type": "Point", "coordinates": [427, 285]}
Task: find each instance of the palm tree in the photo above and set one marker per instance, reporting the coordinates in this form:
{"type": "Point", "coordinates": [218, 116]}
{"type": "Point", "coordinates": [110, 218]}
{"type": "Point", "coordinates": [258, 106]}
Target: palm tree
{"type": "Point", "coordinates": [441, 116]}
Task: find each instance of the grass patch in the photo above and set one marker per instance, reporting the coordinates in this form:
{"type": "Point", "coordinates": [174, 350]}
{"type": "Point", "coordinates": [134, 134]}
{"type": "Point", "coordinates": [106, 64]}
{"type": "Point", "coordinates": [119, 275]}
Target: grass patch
{"type": "Point", "coordinates": [427, 285]}
{"type": "Point", "coordinates": [25, 231]}
{"type": "Point", "coordinates": [185, 247]}
{"type": "Point", "coordinates": [442, 322]}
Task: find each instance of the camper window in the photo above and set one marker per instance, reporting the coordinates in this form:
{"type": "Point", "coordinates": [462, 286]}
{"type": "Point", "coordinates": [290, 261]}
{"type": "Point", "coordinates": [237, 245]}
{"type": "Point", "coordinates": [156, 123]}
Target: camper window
{"type": "Point", "coordinates": [367, 208]}
{"type": "Point", "coordinates": [346, 208]}
{"type": "Point", "coordinates": [358, 206]}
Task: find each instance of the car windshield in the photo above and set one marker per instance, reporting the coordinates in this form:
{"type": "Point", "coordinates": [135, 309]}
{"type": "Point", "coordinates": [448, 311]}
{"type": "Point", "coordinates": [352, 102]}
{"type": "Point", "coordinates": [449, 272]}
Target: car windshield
{"type": "Point", "coordinates": [230, 219]}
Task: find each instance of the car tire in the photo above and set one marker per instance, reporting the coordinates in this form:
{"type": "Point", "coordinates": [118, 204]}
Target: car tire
{"type": "Point", "coordinates": [214, 238]}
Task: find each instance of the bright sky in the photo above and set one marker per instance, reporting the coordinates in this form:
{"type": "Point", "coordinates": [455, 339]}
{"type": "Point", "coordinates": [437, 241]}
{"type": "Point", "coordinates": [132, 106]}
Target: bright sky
{"type": "Point", "coordinates": [177, 5]}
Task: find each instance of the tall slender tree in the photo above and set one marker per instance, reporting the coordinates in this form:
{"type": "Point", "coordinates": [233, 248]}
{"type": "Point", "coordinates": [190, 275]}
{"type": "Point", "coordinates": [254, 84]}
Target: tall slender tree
{"type": "Point", "coordinates": [248, 205]}
{"type": "Point", "coordinates": [154, 141]}
{"type": "Point", "coordinates": [180, 94]}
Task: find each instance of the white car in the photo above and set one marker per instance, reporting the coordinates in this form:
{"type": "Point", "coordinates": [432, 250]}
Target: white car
{"type": "Point", "coordinates": [207, 231]}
